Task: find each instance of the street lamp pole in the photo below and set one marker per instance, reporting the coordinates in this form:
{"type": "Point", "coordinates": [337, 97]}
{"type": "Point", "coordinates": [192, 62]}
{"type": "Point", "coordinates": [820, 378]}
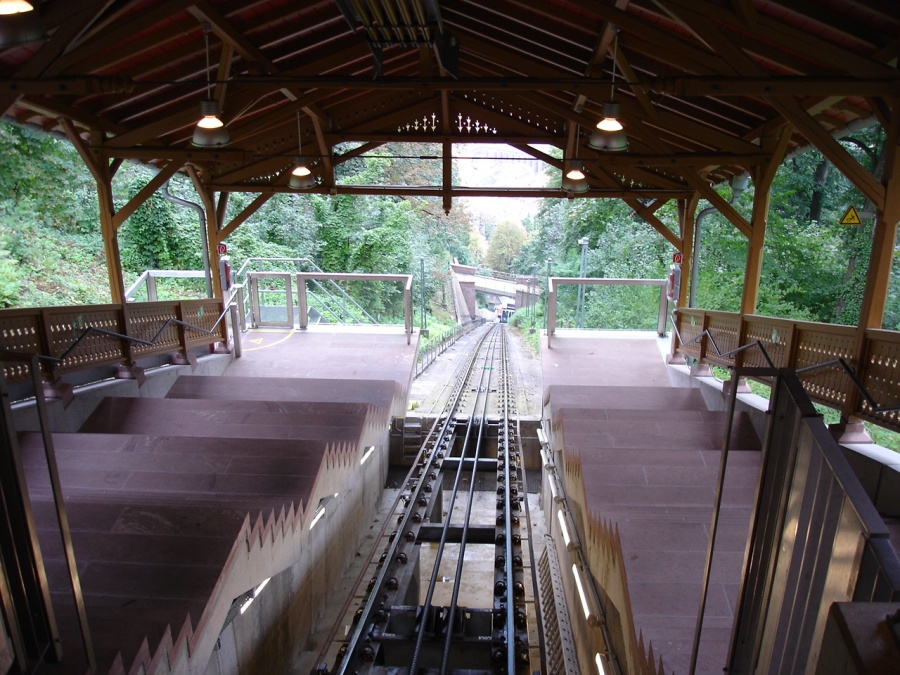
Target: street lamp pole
{"type": "Point", "coordinates": [579, 312]}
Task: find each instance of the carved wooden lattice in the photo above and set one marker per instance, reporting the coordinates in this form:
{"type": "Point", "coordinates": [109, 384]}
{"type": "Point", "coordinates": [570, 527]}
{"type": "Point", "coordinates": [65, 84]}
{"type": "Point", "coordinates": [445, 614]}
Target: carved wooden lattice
{"type": "Point", "coordinates": [881, 367]}
{"type": "Point", "coordinates": [203, 314]}
{"type": "Point", "coordinates": [690, 325]}
{"type": "Point", "coordinates": [144, 322]}
{"type": "Point", "coordinates": [63, 326]}
{"type": "Point", "coordinates": [20, 331]}
{"type": "Point", "coordinates": [819, 343]}
{"type": "Point", "coordinates": [774, 335]}
{"type": "Point", "coordinates": [725, 328]}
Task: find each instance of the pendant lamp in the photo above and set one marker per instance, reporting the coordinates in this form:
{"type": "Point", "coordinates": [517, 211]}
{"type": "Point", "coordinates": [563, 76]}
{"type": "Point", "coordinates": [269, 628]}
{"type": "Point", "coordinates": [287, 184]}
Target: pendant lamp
{"type": "Point", "coordinates": [301, 175]}
{"type": "Point", "coordinates": [609, 134]}
{"type": "Point", "coordinates": [210, 131]}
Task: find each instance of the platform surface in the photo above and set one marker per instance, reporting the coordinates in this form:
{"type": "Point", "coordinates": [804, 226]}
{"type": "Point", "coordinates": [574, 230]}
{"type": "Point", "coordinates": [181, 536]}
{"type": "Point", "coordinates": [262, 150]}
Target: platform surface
{"type": "Point", "coordinates": [331, 353]}
{"type": "Point", "coordinates": [607, 358]}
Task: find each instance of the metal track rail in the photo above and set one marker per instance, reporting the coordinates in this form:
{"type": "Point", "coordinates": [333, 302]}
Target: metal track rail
{"type": "Point", "coordinates": [392, 631]}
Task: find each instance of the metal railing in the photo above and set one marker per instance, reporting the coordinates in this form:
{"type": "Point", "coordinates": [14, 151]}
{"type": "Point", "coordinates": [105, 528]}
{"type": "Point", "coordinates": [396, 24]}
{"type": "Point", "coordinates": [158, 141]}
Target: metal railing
{"type": "Point", "coordinates": [336, 295]}
{"type": "Point", "coordinates": [815, 539]}
{"type": "Point", "coordinates": [554, 282]}
{"type": "Point", "coordinates": [148, 279]}
{"type": "Point", "coordinates": [405, 279]}
{"type": "Point", "coordinates": [442, 342]}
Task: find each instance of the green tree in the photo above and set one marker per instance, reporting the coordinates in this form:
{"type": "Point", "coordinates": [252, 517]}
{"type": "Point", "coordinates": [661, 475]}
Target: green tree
{"type": "Point", "coordinates": [504, 245]}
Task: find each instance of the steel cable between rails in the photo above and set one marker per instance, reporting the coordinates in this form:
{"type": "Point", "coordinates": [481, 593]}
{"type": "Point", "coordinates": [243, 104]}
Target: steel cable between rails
{"type": "Point", "coordinates": [364, 624]}
{"type": "Point", "coordinates": [465, 531]}
{"type": "Point", "coordinates": [426, 607]}
{"type": "Point", "coordinates": [510, 602]}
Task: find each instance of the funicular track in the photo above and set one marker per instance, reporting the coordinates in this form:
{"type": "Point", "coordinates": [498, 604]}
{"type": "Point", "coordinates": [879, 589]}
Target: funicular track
{"type": "Point", "coordinates": [396, 621]}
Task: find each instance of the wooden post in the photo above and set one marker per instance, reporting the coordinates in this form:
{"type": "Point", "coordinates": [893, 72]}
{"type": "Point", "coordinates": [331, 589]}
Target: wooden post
{"type": "Point", "coordinates": [871, 314]}
{"type": "Point", "coordinates": [763, 177]}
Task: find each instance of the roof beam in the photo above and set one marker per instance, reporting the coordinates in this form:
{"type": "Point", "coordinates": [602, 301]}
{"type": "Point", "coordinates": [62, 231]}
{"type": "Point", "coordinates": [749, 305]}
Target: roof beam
{"type": "Point", "coordinates": [120, 216]}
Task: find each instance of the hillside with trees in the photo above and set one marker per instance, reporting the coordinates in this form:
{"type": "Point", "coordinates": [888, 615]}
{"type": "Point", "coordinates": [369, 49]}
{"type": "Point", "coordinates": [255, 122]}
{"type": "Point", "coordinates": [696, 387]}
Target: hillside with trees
{"type": "Point", "coordinates": [814, 269]}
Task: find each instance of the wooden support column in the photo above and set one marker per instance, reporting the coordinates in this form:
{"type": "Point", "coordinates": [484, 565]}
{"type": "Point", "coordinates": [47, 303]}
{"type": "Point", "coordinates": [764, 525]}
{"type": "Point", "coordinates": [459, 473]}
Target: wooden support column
{"type": "Point", "coordinates": [100, 170]}
{"type": "Point", "coordinates": [687, 218]}
{"type": "Point", "coordinates": [871, 315]}
{"type": "Point", "coordinates": [448, 176]}
{"type": "Point", "coordinates": [885, 235]}
{"type": "Point", "coordinates": [763, 176]}
{"type": "Point", "coordinates": [213, 235]}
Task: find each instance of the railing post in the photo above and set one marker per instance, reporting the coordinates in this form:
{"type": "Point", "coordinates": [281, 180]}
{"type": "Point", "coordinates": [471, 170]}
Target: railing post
{"type": "Point", "coordinates": [407, 309]}
{"type": "Point", "coordinates": [551, 310]}
{"type": "Point", "coordinates": [235, 333]}
{"type": "Point", "coordinates": [663, 311]}
{"type": "Point", "coordinates": [302, 306]}
{"type": "Point", "coordinates": [152, 295]}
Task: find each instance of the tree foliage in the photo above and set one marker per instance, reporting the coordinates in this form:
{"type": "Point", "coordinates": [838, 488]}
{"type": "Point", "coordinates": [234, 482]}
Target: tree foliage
{"type": "Point", "coordinates": [813, 268]}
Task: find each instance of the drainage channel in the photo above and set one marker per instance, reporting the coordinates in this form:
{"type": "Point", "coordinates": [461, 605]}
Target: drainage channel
{"type": "Point", "coordinates": [449, 587]}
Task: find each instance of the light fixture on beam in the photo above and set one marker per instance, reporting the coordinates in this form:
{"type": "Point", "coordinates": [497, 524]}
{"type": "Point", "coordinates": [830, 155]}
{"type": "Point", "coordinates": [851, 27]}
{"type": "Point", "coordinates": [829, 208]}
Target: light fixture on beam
{"type": "Point", "coordinates": [574, 179]}
{"type": "Point", "coordinates": [210, 131]}
{"type": "Point", "coordinates": [20, 23]}
{"type": "Point", "coordinates": [301, 175]}
{"type": "Point", "coordinates": [610, 134]}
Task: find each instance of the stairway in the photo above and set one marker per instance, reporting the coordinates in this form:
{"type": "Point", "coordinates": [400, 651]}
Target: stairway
{"type": "Point", "coordinates": [642, 463]}
{"type": "Point", "coordinates": [177, 506]}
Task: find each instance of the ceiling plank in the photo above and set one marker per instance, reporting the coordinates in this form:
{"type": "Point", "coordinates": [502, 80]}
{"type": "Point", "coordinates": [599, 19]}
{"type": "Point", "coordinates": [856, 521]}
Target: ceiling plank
{"type": "Point", "coordinates": [226, 32]}
{"type": "Point", "coordinates": [119, 34]}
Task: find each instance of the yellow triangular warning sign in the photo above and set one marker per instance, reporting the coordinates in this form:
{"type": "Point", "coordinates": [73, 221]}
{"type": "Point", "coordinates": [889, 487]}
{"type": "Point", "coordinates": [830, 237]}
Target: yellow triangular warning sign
{"type": "Point", "coordinates": [851, 217]}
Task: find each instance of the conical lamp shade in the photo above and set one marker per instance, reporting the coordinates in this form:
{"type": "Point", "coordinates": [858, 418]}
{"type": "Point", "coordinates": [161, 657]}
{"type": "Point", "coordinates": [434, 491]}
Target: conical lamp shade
{"type": "Point", "coordinates": [572, 185]}
{"type": "Point", "coordinates": [210, 132]}
{"type": "Point", "coordinates": [301, 177]}
{"type": "Point", "coordinates": [609, 134]}
{"type": "Point", "coordinates": [21, 27]}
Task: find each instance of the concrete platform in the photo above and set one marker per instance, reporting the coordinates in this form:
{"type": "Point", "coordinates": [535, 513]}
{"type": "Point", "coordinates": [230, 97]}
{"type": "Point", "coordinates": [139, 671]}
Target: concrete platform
{"type": "Point", "coordinates": [332, 353]}
{"type": "Point", "coordinates": [605, 358]}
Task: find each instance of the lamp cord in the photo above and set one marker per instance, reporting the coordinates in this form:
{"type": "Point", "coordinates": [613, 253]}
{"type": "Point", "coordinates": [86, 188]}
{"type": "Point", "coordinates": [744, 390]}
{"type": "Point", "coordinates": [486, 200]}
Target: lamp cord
{"type": "Point", "coordinates": [299, 139]}
{"type": "Point", "coordinates": [612, 86]}
{"type": "Point", "coordinates": [206, 30]}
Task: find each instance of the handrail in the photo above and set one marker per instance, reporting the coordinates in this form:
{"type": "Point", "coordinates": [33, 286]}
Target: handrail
{"type": "Point", "coordinates": [863, 390]}
{"type": "Point", "coordinates": [719, 352]}
{"type": "Point", "coordinates": [315, 268]}
{"type": "Point", "coordinates": [552, 282]}
{"type": "Point", "coordinates": [43, 328]}
{"type": "Point", "coordinates": [798, 345]}
{"type": "Point", "coordinates": [148, 275]}
{"type": "Point", "coordinates": [302, 277]}
{"type": "Point", "coordinates": [62, 517]}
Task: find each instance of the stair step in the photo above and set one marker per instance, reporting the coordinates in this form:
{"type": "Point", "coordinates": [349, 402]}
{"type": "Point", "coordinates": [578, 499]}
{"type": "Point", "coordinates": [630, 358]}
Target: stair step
{"type": "Point", "coordinates": [606, 429]}
{"type": "Point", "coordinates": [238, 419]}
{"type": "Point", "coordinates": [379, 393]}
{"type": "Point", "coordinates": [625, 398]}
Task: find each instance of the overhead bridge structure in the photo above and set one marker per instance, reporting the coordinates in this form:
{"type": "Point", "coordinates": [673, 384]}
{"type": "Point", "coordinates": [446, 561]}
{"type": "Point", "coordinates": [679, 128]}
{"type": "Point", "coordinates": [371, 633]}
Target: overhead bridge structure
{"type": "Point", "coordinates": [467, 280]}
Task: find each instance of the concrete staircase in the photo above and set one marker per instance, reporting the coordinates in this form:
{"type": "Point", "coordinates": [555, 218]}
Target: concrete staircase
{"type": "Point", "coordinates": [178, 506]}
{"type": "Point", "coordinates": [641, 465]}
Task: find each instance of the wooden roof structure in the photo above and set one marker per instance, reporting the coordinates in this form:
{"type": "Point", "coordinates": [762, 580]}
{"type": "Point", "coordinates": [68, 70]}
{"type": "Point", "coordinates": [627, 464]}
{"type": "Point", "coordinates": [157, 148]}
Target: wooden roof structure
{"type": "Point", "coordinates": [708, 89]}
{"type": "Point", "coordinates": [703, 84]}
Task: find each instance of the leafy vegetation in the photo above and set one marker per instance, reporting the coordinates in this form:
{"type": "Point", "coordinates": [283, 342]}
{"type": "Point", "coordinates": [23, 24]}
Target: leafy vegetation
{"type": "Point", "coordinates": [51, 252]}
